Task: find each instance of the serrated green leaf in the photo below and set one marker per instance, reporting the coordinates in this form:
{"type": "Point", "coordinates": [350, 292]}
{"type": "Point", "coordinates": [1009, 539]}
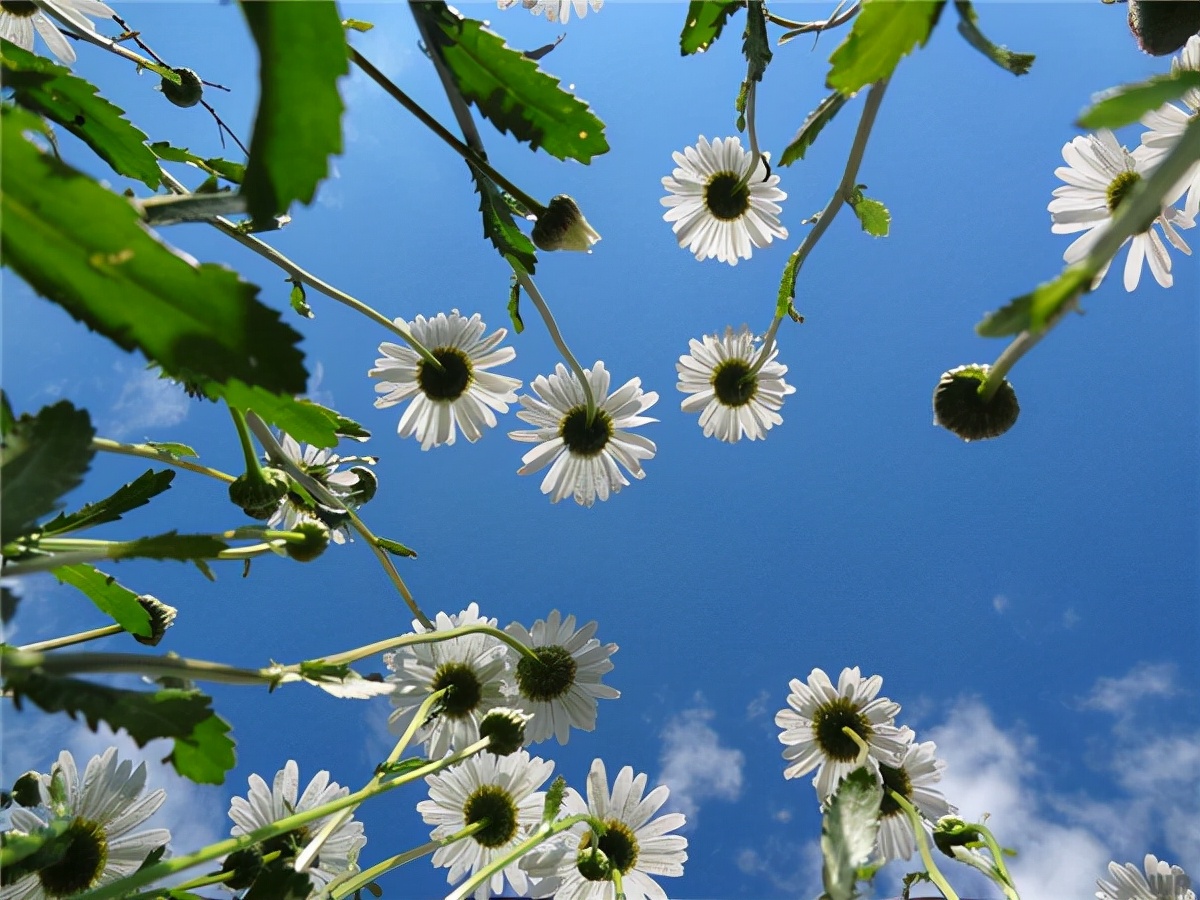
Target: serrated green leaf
{"type": "Point", "coordinates": [357, 25]}
{"type": "Point", "coordinates": [171, 545]}
{"type": "Point", "coordinates": [756, 46]}
{"type": "Point", "coordinates": [41, 459]}
{"type": "Point", "coordinates": [202, 753]}
{"type": "Point", "coordinates": [348, 428]}
{"type": "Point", "coordinates": [127, 497]}
{"type": "Point", "coordinates": [883, 33]}
{"type": "Point", "coordinates": [1012, 318]}
{"type": "Point", "coordinates": [872, 215]}
{"type": "Point", "coordinates": [110, 596]}
{"type": "Point", "coordinates": [395, 547]}
{"type": "Point", "coordinates": [1050, 298]}
{"type": "Point", "coordinates": [302, 54]}
{"type": "Point", "coordinates": [499, 227]}
{"type": "Point", "coordinates": [704, 23]}
{"type": "Point", "coordinates": [84, 248]}
{"type": "Point", "coordinates": [51, 90]}
{"type": "Point", "coordinates": [180, 451]}
{"type": "Point", "coordinates": [812, 126]}
{"type": "Point", "coordinates": [298, 301]}
{"type": "Point", "coordinates": [514, 306]}
{"type": "Point", "coordinates": [1126, 104]}
{"type": "Point", "coordinates": [214, 165]}
{"type": "Point", "coordinates": [848, 832]}
{"type": "Point", "coordinates": [304, 420]}
{"type": "Point", "coordinates": [968, 27]}
{"type": "Point", "coordinates": [510, 90]}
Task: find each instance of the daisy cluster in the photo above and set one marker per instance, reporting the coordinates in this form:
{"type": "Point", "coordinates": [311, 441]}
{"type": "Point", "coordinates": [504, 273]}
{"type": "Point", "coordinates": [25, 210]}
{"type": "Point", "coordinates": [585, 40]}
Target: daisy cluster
{"type": "Point", "coordinates": [1100, 173]}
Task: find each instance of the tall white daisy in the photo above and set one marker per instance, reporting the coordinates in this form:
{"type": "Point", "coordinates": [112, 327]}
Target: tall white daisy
{"type": "Point", "coordinates": [1099, 175]}
{"type": "Point", "coordinates": [462, 394]}
{"type": "Point", "coordinates": [1161, 882]}
{"type": "Point", "coordinates": [914, 780]}
{"type": "Point", "coordinates": [583, 458]}
{"type": "Point", "coordinates": [1166, 126]}
{"type": "Point", "coordinates": [264, 805]}
{"type": "Point", "coordinates": [102, 810]}
{"type": "Point", "coordinates": [326, 467]}
{"type": "Point", "coordinates": [555, 10]}
{"type": "Point", "coordinates": [474, 666]}
{"type": "Point", "coordinates": [20, 18]}
{"type": "Point", "coordinates": [561, 692]}
{"type": "Point", "coordinates": [732, 402]}
{"type": "Point", "coordinates": [635, 843]}
{"type": "Point", "coordinates": [501, 789]}
{"type": "Point", "coordinates": [720, 208]}
{"type": "Point", "coordinates": [812, 727]}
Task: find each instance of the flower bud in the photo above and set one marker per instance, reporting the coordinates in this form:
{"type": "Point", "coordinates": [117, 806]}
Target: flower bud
{"type": "Point", "coordinates": [316, 539]}
{"type": "Point", "coordinates": [959, 407]}
{"type": "Point", "coordinates": [189, 90]}
{"type": "Point", "coordinates": [1162, 28]}
{"type": "Point", "coordinates": [506, 728]}
{"type": "Point", "coordinates": [364, 490]}
{"type": "Point", "coordinates": [162, 617]}
{"type": "Point", "coordinates": [951, 832]}
{"type": "Point", "coordinates": [259, 494]}
{"type": "Point", "coordinates": [563, 227]}
{"type": "Point", "coordinates": [246, 865]}
{"type": "Point", "coordinates": [27, 790]}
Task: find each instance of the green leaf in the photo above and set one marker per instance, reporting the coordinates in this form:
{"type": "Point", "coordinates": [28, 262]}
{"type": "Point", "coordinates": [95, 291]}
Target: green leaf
{"type": "Point", "coordinates": [1017, 63]}
{"type": "Point", "coordinates": [357, 25]}
{"type": "Point", "coordinates": [111, 597]}
{"type": "Point", "coordinates": [394, 547]}
{"type": "Point", "coordinates": [302, 53]}
{"type": "Point", "coordinates": [41, 459]}
{"type": "Point", "coordinates": [704, 23]}
{"type": "Point", "coordinates": [348, 428]}
{"type": "Point", "coordinates": [84, 248]}
{"type": "Point", "coordinates": [848, 832]}
{"type": "Point", "coordinates": [884, 32]}
{"type": "Point", "coordinates": [297, 299]}
{"type": "Point", "coordinates": [180, 451]}
{"type": "Point", "coordinates": [127, 497]}
{"type": "Point", "coordinates": [1012, 318]}
{"type": "Point", "coordinates": [510, 90]}
{"type": "Point", "coordinates": [203, 752]}
{"type": "Point", "coordinates": [1047, 300]}
{"type": "Point", "coordinates": [1126, 104]}
{"type": "Point", "coordinates": [213, 165]}
{"type": "Point", "coordinates": [500, 227]}
{"type": "Point", "coordinates": [73, 103]}
{"type": "Point", "coordinates": [514, 305]}
{"type": "Point", "coordinates": [304, 420]}
{"type": "Point", "coordinates": [22, 855]}
{"type": "Point", "coordinates": [813, 125]}
{"type": "Point", "coordinates": [872, 215]}
{"type": "Point", "coordinates": [756, 46]}
{"type": "Point", "coordinates": [171, 545]}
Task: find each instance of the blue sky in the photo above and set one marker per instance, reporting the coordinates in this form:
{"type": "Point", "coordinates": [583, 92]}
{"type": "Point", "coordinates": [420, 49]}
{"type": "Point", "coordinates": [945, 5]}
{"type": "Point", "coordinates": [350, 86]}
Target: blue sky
{"type": "Point", "coordinates": [1031, 601]}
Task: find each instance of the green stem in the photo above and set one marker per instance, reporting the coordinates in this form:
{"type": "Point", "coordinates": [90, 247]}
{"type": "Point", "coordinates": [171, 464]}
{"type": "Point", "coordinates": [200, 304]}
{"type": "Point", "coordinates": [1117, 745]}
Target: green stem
{"type": "Point", "coordinates": [145, 451]}
{"type": "Point", "coordinates": [71, 639]}
{"type": "Point", "coordinates": [918, 827]}
{"type": "Point", "coordinates": [437, 128]}
{"type": "Point", "coordinates": [248, 452]}
{"type": "Point", "coordinates": [796, 29]}
{"type": "Point", "coordinates": [428, 637]}
{"type": "Point", "coordinates": [765, 353]}
{"type": "Point", "coordinates": [1005, 880]}
{"type": "Point", "coordinates": [111, 46]}
{"type": "Point", "coordinates": [361, 879]}
{"type": "Point", "coordinates": [555, 335]}
{"type": "Point", "coordinates": [137, 663]}
{"type": "Point", "coordinates": [864, 749]}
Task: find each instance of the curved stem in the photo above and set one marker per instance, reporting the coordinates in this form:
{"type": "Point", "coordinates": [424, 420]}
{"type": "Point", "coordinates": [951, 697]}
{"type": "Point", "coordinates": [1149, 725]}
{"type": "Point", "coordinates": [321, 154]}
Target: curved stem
{"type": "Point", "coordinates": [145, 451]}
{"type": "Point", "coordinates": [428, 637]}
{"type": "Point", "coordinates": [361, 879]}
{"type": "Point", "coordinates": [765, 353]}
{"type": "Point", "coordinates": [71, 639]}
{"type": "Point", "coordinates": [751, 128]}
{"type": "Point", "coordinates": [556, 336]}
{"type": "Point", "coordinates": [1005, 880]}
{"type": "Point", "coordinates": [248, 452]}
{"type": "Point", "coordinates": [138, 664]}
{"type": "Point", "coordinates": [796, 29]}
{"type": "Point", "coordinates": [99, 40]}
{"type": "Point", "coordinates": [918, 827]}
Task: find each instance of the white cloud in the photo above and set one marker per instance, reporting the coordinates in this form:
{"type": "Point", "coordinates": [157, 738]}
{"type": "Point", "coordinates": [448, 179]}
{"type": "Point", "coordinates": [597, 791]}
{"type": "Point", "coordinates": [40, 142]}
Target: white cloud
{"type": "Point", "coordinates": [1000, 603]}
{"type": "Point", "coordinates": [146, 403]}
{"type": "Point", "coordinates": [694, 764]}
{"type": "Point", "coordinates": [757, 707]}
{"type": "Point", "coordinates": [1122, 696]}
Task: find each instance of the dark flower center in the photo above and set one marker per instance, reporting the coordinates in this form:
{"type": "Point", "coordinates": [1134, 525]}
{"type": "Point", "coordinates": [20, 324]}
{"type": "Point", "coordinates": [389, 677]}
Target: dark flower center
{"type": "Point", "coordinates": [828, 722]}
{"type": "Point", "coordinates": [289, 843]}
{"type": "Point", "coordinates": [1119, 189]}
{"type": "Point", "coordinates": [492, 803]}
{"type": "Point", "coordinates": [81, 864]}
{"type": "Point", "coordinates": [451, 381]}
{"type": "Point", "coordinates": [465, 690]}
{"type": "Point", "coordinates": [21, 8]}
{"type": "Point", "coordinates": [731, 385]}
{"type": "Point", "coordinates": [618, 846]}
{"type": "Point", "coordinates": [727, 196]}
{"type": "Point", "coordinates": [581, 438]}
{"type": "Point", "coordinates": [894, 780]}
{"type": "Point", "coordinates": [549, 676]}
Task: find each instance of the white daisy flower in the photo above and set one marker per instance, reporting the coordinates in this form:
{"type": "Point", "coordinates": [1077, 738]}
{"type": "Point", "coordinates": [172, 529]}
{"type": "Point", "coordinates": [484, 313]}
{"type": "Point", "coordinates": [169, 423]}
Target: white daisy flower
{"type": "Point", "coordinates": [1166, 126]}
{"type": "Point", "coordinates": [635, 843]}
{"type": "Point", "coordinates": [102, 810]}
{"type": "Point", "coordinates": [732, 403]}
{"type": "Point", "coordinates": [462, 395]}
{"type": "Point", "coordinates": [1098, 175]}
{"type": "Point", "coordinates": [555, 10]}
{"type": "Point", "coordinates": [325, 466]}
{"type": "Point", "coordinates": [264, 805]}
{"type": "Point", "coordinates": [561, 693]}
{"type": "Point", "coordinates": [913, 780]}
{"type": "Point", "coordinates": [718, 206]}
{"type": "Point", "coordinates": [501, 789]}
{"type": "Point", "coordinates": [1161, 882]}
{"type": "Point", "coordinates": [20, 18]}
{"type": "Point", "coordinates": [476, 666]}
{"type": "Point", "coordinates": [583, 458]}
{"type": "Point", "coordinates": [812, 728]}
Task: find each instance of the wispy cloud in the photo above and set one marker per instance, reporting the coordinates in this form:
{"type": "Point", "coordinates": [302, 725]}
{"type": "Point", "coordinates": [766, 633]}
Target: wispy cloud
{"type": "Point", "coordinates": [1122, 696]}
{"type": "Point", "coordinates": [146, 404]}
{"type": "Point", "coordinates": [695, 765]}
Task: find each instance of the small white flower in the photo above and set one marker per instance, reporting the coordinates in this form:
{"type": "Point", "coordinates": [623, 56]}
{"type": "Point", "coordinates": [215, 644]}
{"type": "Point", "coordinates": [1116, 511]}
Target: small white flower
{"type": "Point", "coordinates": [1098, 175]}
{"type": "Point", "coordinates": [265, 805]}
{"type": "Point", "coordinates": [584, 456]}
{"type": "Point", "coordinates": [19, 19]}
{"type": "Point", "coordinates": [102, 810]}
{"type": "Point", "coordinates": [1166, 126]}
{"type": "Point", "coordinates": [475, 666]}
{"type": "Point", "coordinates": [325, 466]}
{"type": "Point", "coordinates": [731, 402]}
{"type": "Point", "coordinates": [812, 728]}
{"type": "Point", "coordinates": [501, 789]}
{"type": "Point", "coordinates": [462, 394]}
{"type": "Point", "coordinates": [1161, 882]}
{"type": "Point", "coordinates": [635, 843]}
{"type": "Point", "coordinates": [913, 779]}
{"type": "Point", "coordinates": [720, 208]}
{"type": "Point", "coordinates": [561, 693]}
{"type": "Point", "coordinates": [555, 10]}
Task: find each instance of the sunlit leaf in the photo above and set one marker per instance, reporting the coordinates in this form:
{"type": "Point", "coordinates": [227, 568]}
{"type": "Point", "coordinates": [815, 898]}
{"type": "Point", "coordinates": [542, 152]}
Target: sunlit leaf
{"type": "Point", "coordinates": [500, 227]}
{"type": "Point", "coordinates": [1012, 318]}
{"type": "Point", "coordinates": [968, 27]}
{"type": "Point", "coordinates": [180, 451]}
{"type": "Point", "coordinates": [171, 545]}
{"type": "Point", "coordinates": [111, 597]}
{"type": "Point", "coordinates": [704, 23]}
{"type": "Point", "coordinates": [127, 497]}
{"type": "Point", "coordinates": [514, 306]}
{"type": "Point", "coordinates": [304, 420]}
{"type": "Point", "coordinates": [1126, 104]}
{"type": "Point", "coordinates": [298, 301]}
{"type": "Point", "coordinates": [872, 215]}
{"type": "Point", "coordinates": [1052, 297]}
{"type": "Point", "coordinates": [395, 547]}
{"type": "Point", "coordinates": [848, 832]}
{"type": "Point", "coordinates": [756, 46]}
{"type": "Point", "coordinates": [213, 165]}
{"type": "Point", "coordinates": [884, 32]}
{"type": "Point", "coordinates": [812, 126]}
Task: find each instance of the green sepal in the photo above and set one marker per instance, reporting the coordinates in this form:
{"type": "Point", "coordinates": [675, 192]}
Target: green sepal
{"type": "Point", "coordinates": [110, 596]}
{"type": "Point", "coordinates": [812, 126]}
{"type": "Point", "coordinates": [968, 27]}
{"type": "Point", "coordinates": [128, 497]}
{"type": "Point", "coordinates": [848, 831]}
{"type": "Point", "coordinates": [883, 33]}
{"type": "Point", "coordinates": [1126, 104]}
{"type": "Point", "coordinates": [704, 23]}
